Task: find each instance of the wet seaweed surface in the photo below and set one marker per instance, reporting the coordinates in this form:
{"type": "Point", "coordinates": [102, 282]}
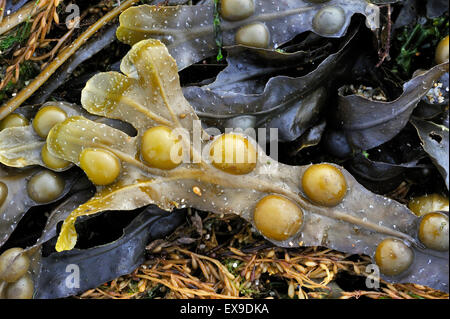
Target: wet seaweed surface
{"type": "Point", "coordinates": [354, 87]}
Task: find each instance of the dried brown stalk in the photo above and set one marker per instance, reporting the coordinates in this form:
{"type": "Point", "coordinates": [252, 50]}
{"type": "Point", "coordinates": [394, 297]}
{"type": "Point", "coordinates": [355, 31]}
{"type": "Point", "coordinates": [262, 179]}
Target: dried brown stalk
{"type": "Point", "coordinates": [39, 29]}
{"type": "Point", "coordinates": [2, 9]}
{"type": "Point", "coordinates": [26, 12]}
{"type": "Point", "coordinates": [384, 52]}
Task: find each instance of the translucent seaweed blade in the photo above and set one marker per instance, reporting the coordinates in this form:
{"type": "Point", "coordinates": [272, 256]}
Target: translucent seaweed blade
{"type": "Point", "coordinates": [22, 147]}
{"type": "Point", "coordinates": [122, 256]}
{"type": "Point", "coordinates": [145, 95]}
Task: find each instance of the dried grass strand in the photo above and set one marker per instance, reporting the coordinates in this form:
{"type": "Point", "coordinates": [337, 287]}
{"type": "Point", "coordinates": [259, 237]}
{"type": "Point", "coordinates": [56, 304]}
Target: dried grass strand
{"type": "Point", "coordinates": [33, 86]}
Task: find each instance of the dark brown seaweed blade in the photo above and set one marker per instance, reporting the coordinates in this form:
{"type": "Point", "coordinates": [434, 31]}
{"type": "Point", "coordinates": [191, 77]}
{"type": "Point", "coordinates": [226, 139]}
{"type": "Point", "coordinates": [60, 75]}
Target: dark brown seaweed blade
{"type": "Point", "coordinates": [18, 201]}
{"type": "Point", "coordinates": [435, 102]}
{"type": "Point", "coordinates": [312, 137]}
{"type": "Point", "coordinates": [381, 177]}
{"type": "Point", "coordinates": [436, 8]}
{"type": "Point", "coordinates": [61, 212]}
{"type": "Point", "coordinates": [287, 103]}
{"type": "Point", "coordinates": [249, 69]}
{"type": "Point", "coordinates": [55, 275]}
{"type": "Point", "coordinates": [87, 51]}
{"type": "Point", "coordinates": [434, 139]}
{"type": "Point", "coordinates": [368, 124]}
